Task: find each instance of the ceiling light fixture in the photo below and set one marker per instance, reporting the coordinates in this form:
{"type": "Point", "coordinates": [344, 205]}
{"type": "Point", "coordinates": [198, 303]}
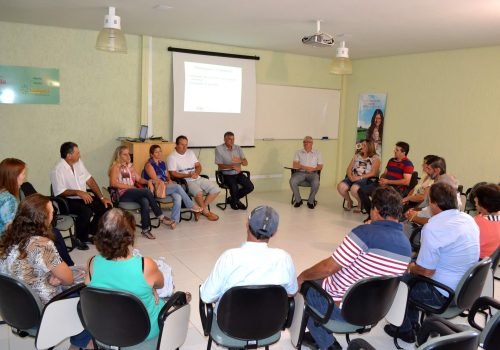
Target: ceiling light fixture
{"type": "Point", "coordinates": [111, 38]}
{"type": "Point", "coordinates": [342, 64]}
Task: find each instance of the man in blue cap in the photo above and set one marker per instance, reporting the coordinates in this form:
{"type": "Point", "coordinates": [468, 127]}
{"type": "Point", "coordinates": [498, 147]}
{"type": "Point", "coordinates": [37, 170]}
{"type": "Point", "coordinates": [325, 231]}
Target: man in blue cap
{"type": "Point", "coordinates": [254, 263]}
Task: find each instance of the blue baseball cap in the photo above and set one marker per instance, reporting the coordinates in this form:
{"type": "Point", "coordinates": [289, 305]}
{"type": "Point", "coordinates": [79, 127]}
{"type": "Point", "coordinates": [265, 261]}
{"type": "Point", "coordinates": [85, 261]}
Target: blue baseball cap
{"type": "Point", "coordinates": [264, 221]}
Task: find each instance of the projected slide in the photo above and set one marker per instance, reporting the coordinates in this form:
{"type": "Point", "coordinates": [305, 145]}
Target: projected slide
{"type": "Point", "coordinates": [212, 88]}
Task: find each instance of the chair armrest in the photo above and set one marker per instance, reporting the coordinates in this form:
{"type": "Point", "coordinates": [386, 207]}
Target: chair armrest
{"type": "Point", "coordinates": [70, 292]}
{"type": "Point", "coordinates": [206, 316]}
{"type": "Point", "coordinates": [205, 176]}
{"type": "Point", "coordinates": [312, 312]}
{"type": "Point", "coordinates": [291, 310]}
{"type": "Point", "coordinates": [246, 173]}
{"type": "Point", "coordinates": [482, 303]}
{"type": "Point", "coordinates": [425, 307]}
{"type": "Point", "coordinates": [219, 178]}
{"type": "Point", "coordinates": [61, 204]}
{"type": "Point", "coordinates": [176, 300]}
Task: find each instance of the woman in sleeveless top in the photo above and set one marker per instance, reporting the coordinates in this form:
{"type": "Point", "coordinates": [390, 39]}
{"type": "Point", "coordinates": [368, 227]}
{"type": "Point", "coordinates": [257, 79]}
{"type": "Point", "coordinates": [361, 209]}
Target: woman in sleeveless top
{"type": "Point", "coordinates": [125, 179]}
{"type": "Point", "coordinates": [364, 164]}
{"type": "Point", "coordinates": [28, 253]}
{"type": "Point", "coordinates": [156, 170]}
{"type": "Point", "coordinates": [115, 267]}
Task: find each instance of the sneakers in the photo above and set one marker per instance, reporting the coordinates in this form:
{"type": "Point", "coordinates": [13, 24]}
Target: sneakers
{"type": "Point", "coordinates": [393, 332]}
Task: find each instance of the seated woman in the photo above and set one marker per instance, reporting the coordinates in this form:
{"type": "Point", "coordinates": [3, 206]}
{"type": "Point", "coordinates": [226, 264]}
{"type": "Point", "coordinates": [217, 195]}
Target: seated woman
{"type": "Point", "coordinates": [156, 170]}
{"type": "Point", "coordinates": [418, 194]}
{"type": "Point", "coordinates": [364, 164]}
{"type": "Point", "coordinates": [488, 218]}
{"type": "Point", "coordinates": [115, 267]}
{"type": "Point", "coordinates": [125, 179]}
{"type": "Point", "coordinates": [12, 176]}
{"type": "Point", "coordinates": [27, 252]}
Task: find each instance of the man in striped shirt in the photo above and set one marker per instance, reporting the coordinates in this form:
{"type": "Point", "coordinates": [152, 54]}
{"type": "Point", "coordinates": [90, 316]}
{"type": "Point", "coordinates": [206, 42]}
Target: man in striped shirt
{"type": "Point", "coordinates": [376, 249]}
{"type": "Point", "coordinates": [397, 174]}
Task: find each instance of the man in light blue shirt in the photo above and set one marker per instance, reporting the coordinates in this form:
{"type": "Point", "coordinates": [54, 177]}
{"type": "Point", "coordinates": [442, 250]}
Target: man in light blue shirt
{"type": "Point", "coordinates": [450, 246]}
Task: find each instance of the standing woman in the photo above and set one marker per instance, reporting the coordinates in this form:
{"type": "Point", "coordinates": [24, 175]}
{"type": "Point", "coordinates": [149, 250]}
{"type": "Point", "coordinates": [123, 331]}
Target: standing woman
{"type": "Point", "coordinates": [363, 165]}
{"type": "Point", "coordinates": [125, 179]}
{"type": "Point", "coordinates": [376, 130]}
{"type": "Point", "coordinates": [12, 175]}
{"type": "Point", "coordinates": [156, 170]}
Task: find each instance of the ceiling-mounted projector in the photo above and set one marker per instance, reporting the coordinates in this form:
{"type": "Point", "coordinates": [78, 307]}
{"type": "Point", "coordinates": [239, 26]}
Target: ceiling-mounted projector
{"type": "Point", "coordinates": [319, 39]}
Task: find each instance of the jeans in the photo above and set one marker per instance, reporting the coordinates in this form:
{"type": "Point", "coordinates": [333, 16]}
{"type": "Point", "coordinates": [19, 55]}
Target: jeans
{"type": "Point", "coordinates": [423, 292]}
{"type": "Point", "coordinates": [145, 199]}
{"type": "Point", "coordinates": [178, 196]}
{"type": "Point", "coordinates": [311, 178]}
{"type": "Point", "coordinates": [234, 182]}
{"type": "Point", "coordinates": [320, 334]}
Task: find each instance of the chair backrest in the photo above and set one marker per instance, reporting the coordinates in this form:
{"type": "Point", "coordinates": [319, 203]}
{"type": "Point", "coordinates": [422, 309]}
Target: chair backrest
{"type": "Point", "coordinates": [471, 285]}
{"type": "Point", "coordinates": [59, 321]}
{"type": "Point", "coordinates": [114, 318]}
{"type": "Point", "coordinates": [20, 308]}
{"type": "Point", "coordinates": [298, 313]}
{"type": "Point", "coordinates": [467, 340]}
{"type": "Point", "coordinates": [253, 312]}
{"type": "Point", "coordinates": [396, 314]}
{"type": "Point", "coordinates": [368, 300]}
{"type": "Point", "coordinates": [174, 331]}
{"type": "Point", "coordinates": [490, 336]}
{"type": "Point", "coordinates": [219, 177]}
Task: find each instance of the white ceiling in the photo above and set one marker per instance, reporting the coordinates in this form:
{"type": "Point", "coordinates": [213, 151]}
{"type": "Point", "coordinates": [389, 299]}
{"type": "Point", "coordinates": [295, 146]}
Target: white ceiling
{"type": "Point", "coordinates": [372, 28]}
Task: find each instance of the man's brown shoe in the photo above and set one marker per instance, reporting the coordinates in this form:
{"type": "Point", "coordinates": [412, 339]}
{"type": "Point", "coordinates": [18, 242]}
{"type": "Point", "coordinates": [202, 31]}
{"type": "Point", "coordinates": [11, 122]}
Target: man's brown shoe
{"type": "Point", "coordinates": [211, 216]}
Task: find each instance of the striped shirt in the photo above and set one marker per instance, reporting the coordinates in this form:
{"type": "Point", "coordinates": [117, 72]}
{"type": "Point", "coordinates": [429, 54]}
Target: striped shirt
{"type": "Point", "coordinates": [396, 170]}
{"type": "Point", "coordinates": [377, 249]}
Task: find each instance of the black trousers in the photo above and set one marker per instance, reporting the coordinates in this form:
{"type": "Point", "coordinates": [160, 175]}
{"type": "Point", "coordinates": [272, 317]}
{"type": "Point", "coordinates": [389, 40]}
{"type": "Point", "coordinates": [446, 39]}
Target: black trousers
{"type": "Point", "coordinates": [234, 182]}
{"type": "Point", "coordinates": [61, 247]}
{"type": "Point", "coordinates": [88, 216]}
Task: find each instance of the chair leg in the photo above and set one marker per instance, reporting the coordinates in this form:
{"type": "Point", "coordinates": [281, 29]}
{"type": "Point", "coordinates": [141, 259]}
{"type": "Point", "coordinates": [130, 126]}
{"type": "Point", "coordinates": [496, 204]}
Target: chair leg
{"type": "Point", "coordinates": [209, 344]}
{"type": "Point", "coordinates": [348, 340]}
{"type": "Point", "coordinates": [223, 206]}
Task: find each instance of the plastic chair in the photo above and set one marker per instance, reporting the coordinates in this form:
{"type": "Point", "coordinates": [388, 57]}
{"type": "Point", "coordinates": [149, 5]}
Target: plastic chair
{"type": "Point", "coordinates": [248, 317]}
{"type": "Point", "coordinates": [129, 206]}
{"type": "Point", "coordinates": [459, 300]}
{"type": "Point", "coordinates": [364, 304]}
{"type": "Point", "coordinates": [219, 177]}
{"type": "Point", "coordinates": [119, 319]}
{"type": "Point", "coordinates": [22, 310]}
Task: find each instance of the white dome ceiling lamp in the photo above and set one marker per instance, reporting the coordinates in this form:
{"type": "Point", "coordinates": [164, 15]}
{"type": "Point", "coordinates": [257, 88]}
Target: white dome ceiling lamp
{"type": "Point", "coordinates": [342, 64]}
{"type": "Point", "coordinates": [111, 37]}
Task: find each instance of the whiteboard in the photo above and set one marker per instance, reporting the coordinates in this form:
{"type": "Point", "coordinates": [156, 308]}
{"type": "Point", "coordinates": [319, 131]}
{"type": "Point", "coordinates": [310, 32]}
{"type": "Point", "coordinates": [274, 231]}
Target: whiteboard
{"type": "Point", "coordinates": [289, 112]}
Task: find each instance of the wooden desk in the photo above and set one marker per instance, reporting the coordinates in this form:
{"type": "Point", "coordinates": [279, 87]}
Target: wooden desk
{"type": "Point", "coordinates": [140, 151]}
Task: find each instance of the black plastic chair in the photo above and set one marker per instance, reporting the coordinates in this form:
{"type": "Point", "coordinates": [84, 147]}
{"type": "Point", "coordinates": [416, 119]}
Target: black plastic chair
{"type": "Point", "coordinates": [412, 184]}
{"type": "Point", "coordinates": [133, 207]}
{"type": "Point", "coordinates": [22, 310]}
{"type": "Point", "coordinates": [364, 304]}
{"type": "Point", "coordinates": [119, 319]}
{"type": "Point", "coordinates": [219, 177]}
{"type": "Point", "coordinates": [248, 317]}
{"type": "Point", "coordinates": [303, 184]}
{"type": "Point", "coordinates": [467, 340]}
{"type": "Point", "coordinates": [459, 300]}
{"type": "Point", "coordinates": [490, 333]}
{"type": "Point", "coordinates": [62, 220]}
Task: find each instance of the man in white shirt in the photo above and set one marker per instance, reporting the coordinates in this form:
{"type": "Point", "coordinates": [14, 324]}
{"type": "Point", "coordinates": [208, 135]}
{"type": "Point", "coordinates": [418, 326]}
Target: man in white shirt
{"type": "Point", "coordinates": [254, 263]}
{"type": "Point", "coordinates": [70, 179]}
{"type": "Point", "coordinates": [183, 164]}
{"type": "Point", "coordinates": [308, 163]}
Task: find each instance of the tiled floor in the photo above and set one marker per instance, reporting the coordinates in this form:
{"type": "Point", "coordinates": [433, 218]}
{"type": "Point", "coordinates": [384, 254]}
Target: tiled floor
{"type": "Point", "coordinates": [193, 247]}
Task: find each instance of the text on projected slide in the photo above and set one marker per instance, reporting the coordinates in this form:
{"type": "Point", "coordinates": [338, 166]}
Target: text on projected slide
{"type": "Point", "coordinates": [212, 88]}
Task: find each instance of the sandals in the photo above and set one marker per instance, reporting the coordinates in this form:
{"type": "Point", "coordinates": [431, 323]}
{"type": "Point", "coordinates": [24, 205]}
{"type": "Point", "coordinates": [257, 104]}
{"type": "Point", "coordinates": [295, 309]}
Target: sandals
{"type": "Point", "coordinates": [148, 234]}
{"type": "Point", "coordinates": [196, 209]}
{"type": "Point", "coordinates": [170, 223]}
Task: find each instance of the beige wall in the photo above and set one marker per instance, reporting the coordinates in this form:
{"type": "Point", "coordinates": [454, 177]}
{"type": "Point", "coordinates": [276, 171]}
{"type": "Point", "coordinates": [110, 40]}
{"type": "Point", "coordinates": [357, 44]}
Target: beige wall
{"type": "Point", "coordinates": [445, 103]}
{"type": "Point", "coordinates": [100, 100]}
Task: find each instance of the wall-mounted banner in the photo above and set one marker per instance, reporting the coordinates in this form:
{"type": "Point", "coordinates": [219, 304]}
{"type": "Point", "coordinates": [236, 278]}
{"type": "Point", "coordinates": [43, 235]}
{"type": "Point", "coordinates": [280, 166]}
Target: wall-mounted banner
{"type": "Point", "coordinates": [371, 115]}
{"type": "Point", "coordinates": [29, 85]}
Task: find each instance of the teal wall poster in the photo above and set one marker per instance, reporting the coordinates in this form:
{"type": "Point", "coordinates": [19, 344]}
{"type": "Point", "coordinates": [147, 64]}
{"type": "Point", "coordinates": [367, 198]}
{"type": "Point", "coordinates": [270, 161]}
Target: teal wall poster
{"type": "Point", "coordinates": [371, 118]}
{"type": "Point", "coordinates": [29, 85]}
